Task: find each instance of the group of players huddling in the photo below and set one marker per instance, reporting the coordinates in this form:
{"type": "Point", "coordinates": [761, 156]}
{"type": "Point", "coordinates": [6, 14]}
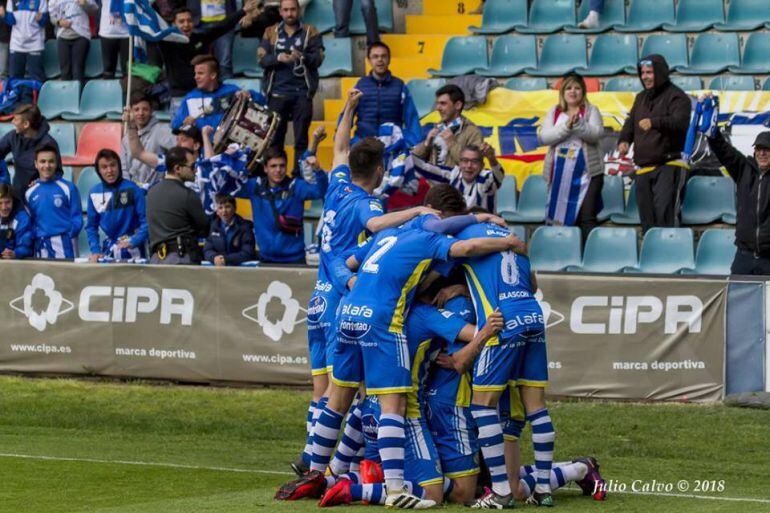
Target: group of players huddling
{"type": "Point", "coordinates": [429, 371]}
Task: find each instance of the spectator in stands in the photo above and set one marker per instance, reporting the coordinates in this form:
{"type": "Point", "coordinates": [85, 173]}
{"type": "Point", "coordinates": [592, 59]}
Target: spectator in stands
{"type": "Point", "coordinates": [16, 236]}
{"type": "Point", "coordinates": [752, 225]}
{"type": "Point", "coordinates": [572, 130]}
{"type": "Point", "coordinates": [291, 53]}
{"type": "Point", "coordinates": [264, 16]}
{"type": "Point", "coordinates": [154, 136]}
{"type": "Point", "coordinates": [54, 206]}
{"type": "Point", "coordinates": [30, 131]}
{"type": "Point", "coordinates": [5, 41]}
{"type": "Point", "coordinates": [447, 139]}
{"type": "Point", "coordinates": [385, 99]}
{"type": "Point", "coordinates": [231, 237]}
{"type": "Point", "coordinates": [657, 127]}
{"type": "Point", "coordinates": [175, 217]}
{"type": "Point", "coordinates": [278, 204]}
{"type": "Point", "coordinates": [342, 9]}
{"type": "Point", "coordinates": [595, 10]}
{"type": "Point", "coordinates": [117, 207]}
{"type": "Point", "coordinates": [28, 20]}
{"type": "Point", "coordinates": [207, 13]}
{"type": "Point", "coordinates": [477, 185]}
{"type": "Point", "coordinates": [73, 35]}
{"type": "Point", "coordinates": [113, 35]}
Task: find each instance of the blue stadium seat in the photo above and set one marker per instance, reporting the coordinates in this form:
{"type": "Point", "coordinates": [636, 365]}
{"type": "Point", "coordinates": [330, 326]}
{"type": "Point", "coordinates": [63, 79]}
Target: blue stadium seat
{"type": "Point", "coordinates": [665, 251]}
{"type": "Point", "coordinates": [647, 15]}
{"type": "Point", "coordinates": [554, 248]}
{"type": "Point", "coordinates": [745, 15]}
{"type": "Point", "coordinates": [315, 210]}
{"type": "Point", "coordinates": [614, 14]}
{"type": "Point", "coordinates": [612, 197]}
{"type": "Point", "coordinates": [612, 54]}
{"type": "Point", "coordinates": [94, 61]}
{"type": "Point", "coordinates": [462, 55]}
{"type": "Point", "coordinates": [766, 85]}
{"type": "Point", "coordinates": [531, 205]}
{"type": "Point", "coordinates": [697, 15]}
{"type": "Point", "coordinates": [501, 16]}
{"type": "Point", "coordinates": [732, 83]}
{"type": "Point", "coordinates": [253, 84]}
{"type": "Point", "coordinates": [87, 178]}
{"type": "Point", "coordinates": [423, 93]}
{"type": "Point", "coordinates": [712, 54]}
{"type": "Point", "coordinates": [548, 16]}
{"type": "Point", "coordinates": [561, 54]}
{"type": "Point", "coordinates": [100, 98]}
{"type": "Point", "coordinates": [320, 14]}
{"type": "Point", "coordinates": [708, 199]}
{"type": "Point", "coordinates": [631, 213]}
{"type": "Point", "coordinates": [339, 58]}
{"type": "Point", "coordinates": [511, 55]}
{"type": "Point", "coordinates": [687, 83]}
{"type": "Point", "coordinates": [526, 84]}
{"type": "Point", "coordinates": [671, 46]}
{"type": "Point", "coordinates": [756, 55]}
{"type": "Point", "coordinates": [308, 232]}
{"type": "Point", "coordinates": [84, 250]}
{"type": "Point", "coordinates": [64, 135]}
{"type": "Point", "coordinates": [67, 173]}
{"type": "Point", "coordinates": [51, 59]}
{"type": "Point", "coordinates": [519, 231]}
{"type": "Point", "coordinates": [58, 96]}
{"type": "Point", "coordinates": [5, 128]}
{"type": "Point", "coordinates": [716, 251]}
{"type": "Point", "coordinates": [384, 17]}
{"type": "Point", "coordinates": [506, 198]}
{"type": "Point", "coordinates": [245, 60]}
{"type": "Point", "coordinates": [623, 84]}
{"type": "Point", "coordinates": [608, 250]}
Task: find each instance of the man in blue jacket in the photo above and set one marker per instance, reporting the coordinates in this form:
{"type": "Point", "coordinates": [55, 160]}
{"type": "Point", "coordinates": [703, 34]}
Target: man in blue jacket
{"type": "Point", "coordinates": [231, 239]}
{"type": "Point", "coordinates": [278, 204]}
{"type": "Point", "coordinates": [15, 227]}
{"type": "Point", "coordinates": [117, 207]}
{"type": "Point", "coordinates": [54, 205]}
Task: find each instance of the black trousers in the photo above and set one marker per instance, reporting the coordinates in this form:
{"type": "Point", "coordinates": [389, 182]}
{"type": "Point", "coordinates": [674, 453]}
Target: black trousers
{"type": "Point", "coordinates": [658, 196]}
{"type": "Point", "coordinates": [72, 58]}
{"type": "Point", "coordinates": [586, 218]}
{"type": "Point", "coordinates": [298, 109]}
{"type": "Point", "coordinates": [111, 49]}
{"type": "Point", "coordinates": [746, 263]}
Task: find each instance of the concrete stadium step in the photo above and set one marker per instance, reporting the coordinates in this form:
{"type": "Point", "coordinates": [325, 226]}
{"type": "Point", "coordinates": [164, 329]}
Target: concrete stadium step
{"type": "Point", "coordinates": [416, 45]}
{"type": "Point", "coordinates": [408, 68]}
{"type": "Point", "coordinates": [441, 24]}
{"type": "Point", "coordinates": [444, 7]}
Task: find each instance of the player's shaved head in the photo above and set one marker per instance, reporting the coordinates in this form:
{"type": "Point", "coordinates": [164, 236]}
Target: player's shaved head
{"type": "Point", "coordinates": [365, 158]}
{"type": "Point", "coordinates": [447, 199]}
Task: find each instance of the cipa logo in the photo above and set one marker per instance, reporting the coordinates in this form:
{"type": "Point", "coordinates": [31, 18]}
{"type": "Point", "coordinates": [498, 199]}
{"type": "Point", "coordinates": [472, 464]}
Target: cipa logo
{"type": "Point", "coordinates": [277, 290]}
{"type": "Point", "coordinates": [623, 314]}
{"type": "Point", "coordinates": [57, 304]}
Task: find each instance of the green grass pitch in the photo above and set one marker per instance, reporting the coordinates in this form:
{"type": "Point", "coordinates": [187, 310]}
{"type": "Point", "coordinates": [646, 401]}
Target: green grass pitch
{"type": "Point", "coordinates": [71, 446]}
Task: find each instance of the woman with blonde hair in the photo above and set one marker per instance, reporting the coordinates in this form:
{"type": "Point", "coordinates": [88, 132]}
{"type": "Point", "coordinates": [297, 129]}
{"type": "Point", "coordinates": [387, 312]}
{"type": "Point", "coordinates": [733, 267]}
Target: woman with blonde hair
{"type": "Point", "coordinates": [573, 166]}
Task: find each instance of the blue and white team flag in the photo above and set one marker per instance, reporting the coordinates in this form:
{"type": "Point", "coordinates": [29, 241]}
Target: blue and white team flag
{"type": "Point", "coordinates": [704, 121]}
{"type": "Point", "coordinates": [144, 22]}
{"type": "Point", "coordinates": [569, 184]}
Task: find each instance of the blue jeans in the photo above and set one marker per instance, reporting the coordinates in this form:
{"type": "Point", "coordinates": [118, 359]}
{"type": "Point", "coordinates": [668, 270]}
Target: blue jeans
{"type": "Point", "coordinates": [342, 10]}
{"type": "Point", "coordinates": [27, 65]}
{"type": "Point", "coordinates": [222, 48]}
{"type": "Point", "coordinates": [596, 5]}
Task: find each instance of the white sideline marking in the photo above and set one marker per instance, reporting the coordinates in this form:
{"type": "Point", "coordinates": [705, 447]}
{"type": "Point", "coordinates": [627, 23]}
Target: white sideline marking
{"type": "Point", "coordinates": [690, 496]}
{"type": "Point", "coordinates": [145, 464]}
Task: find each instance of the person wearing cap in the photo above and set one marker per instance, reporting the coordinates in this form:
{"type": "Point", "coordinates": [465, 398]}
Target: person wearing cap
{"type": "Point", "coordinates": [155, 136]}
{"type": "Point", "coordinates": [657, 127]}
{"type": "Point", "coordinates": [752, 225]}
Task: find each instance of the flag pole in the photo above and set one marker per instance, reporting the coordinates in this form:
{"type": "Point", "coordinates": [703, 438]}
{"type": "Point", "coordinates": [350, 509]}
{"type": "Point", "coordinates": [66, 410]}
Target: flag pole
{"type": "Point", "coordinates": [128, 79]}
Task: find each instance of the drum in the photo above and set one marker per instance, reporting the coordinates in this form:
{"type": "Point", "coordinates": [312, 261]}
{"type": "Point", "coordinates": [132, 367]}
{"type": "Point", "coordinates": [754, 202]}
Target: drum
{"type": "Point", "coordinates": [248, 124]}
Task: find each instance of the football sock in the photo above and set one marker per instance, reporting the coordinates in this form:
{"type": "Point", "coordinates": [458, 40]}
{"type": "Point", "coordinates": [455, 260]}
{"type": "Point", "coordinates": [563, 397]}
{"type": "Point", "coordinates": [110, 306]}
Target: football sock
{"type": "Point", "coordinates": [307, 454]}
{"type": "Point", "coordinates": [543, 441]}
{"type": "Point", "coordinates": [351, 442]}
{"type": "Point", "coordinates": [492, 446]}
{"type": "Point", "coordinates": [391, 440]}
{"type": "Point", "coordinates": [325, 435]}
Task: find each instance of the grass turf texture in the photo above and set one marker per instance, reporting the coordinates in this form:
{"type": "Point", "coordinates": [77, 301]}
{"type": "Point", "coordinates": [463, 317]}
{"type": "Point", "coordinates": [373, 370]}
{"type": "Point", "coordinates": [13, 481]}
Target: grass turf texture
{"type": "Point", "coordinates": [264, 430]}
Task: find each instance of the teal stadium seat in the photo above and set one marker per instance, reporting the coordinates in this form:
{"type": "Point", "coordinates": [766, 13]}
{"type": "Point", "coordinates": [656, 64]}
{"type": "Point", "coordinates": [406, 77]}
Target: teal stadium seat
{"type": "Point", "coordinates": [86, 180]}
{"type": "Point", "coordinates": [614, 14]}
{"type": "Point", "coordinates": [64, 135]}
{"type": "Point", "coordinates": [94, 64]}
{"type": "Point", "coordinates": [716, 251]}
{"type": "Point", "coordinates": [756, 55]}
{"type": "Point", "coordinates": [766, 85]}
{"type": "Point", "coordinates": [339, 58]}
{"type": "Point", "coordinates": [608, 250]}
{"type": "Point", "coordinates": [248, 84]}
{"type": "Point", "coordinates": [315, 210]}
{"type": "Point", "coordinates": [531, 205]}
{"type": "Point", "coordinates": [561, 54]}
{"type": "Point", "coordinates": [506, 198]}
{"type": "Point", "coordinates": [696, 15]}
{"type": "Point", "coordinates": [5, 128]}
{"type": "Point", "coordinates": [84, 250]}
{"type": "Point", "coordinates": [526, 84]}
{"type": "Point", "coordinates": [732, 83]}
{"type": "Point", "coordinates": [423, 93]}
{"type": "Point", "coordinates": [665, 251]}
{"type": "Point", "coordinates": [548, 16]}
{"type": "Point", "coordinates": [320, 14]}
{"type": "Point", "coordinates": [67, 173]}
{"type": "Point", "coordinates": [308, 233]}
{"type": "Point", "coordinates": [519, 231]}
{"type": "Point", "coordinates": [708, 199]}
{"type": "Point", "coordinates": [245, 60]}
{"type": "Point", "coordinates": [612, 197]}
{"type": "Point", "coordinates": [623, 85]}
{"type": "Point", "coordinates": [462, 55]}
{"type": "Point", "coordinates": [57, 97]}
{"type": "Point", "coordinates": [384, 17]}
{"type": "Point", "coordinates": [745, 15]}
{"type": "Point", "coordinates": [631, 213]}
{"type": "Point", "coordinates": [671, 46]}
{"type": "Point", "coordinates": [99, 98]}
{"type": "Point", "coordinates": [647, 15]}
{"type": "Point", "coordinates": [612, 54]}
{"type": "Point", "coordinates": [712, 54]}
{"type": "Point", "coordinates": [554, 248]}
{"type": "Point", "coordinates": [51, 59]}
{"type": "Point", "coordinates": [501, 16]}
{"type": "Point", "coordinates": [511, 55]}
{"type": "Point", "coordinates": [687, 83]}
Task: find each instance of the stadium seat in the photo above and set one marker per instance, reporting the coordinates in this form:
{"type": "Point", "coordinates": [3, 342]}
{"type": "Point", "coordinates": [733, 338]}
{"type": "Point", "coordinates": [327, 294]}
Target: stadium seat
{"type": "Point", "coordinates": [67, 173]}
{"type": "Point", "coordinates": [245, 60]}
{"type": "Point", "coordinates": [712, 54]}
{"type": "Point", "coordinates": [339, 58]}
{"type": "Point", "coordinates": [526, 84]}
{"type": "Point", "coordinates": [93, 137]}
{"type": "Point", "coordinates": [554, 248]}
{"type": "Point", "coordinates": [614, 14]}
{"type": "Point", "coordinates": [732, 83]}
{"type": "Point", "coordinates": [506, 198]}
{"type": "Point", "coordinates": [756, 55]}
{"type": "Point", "coordinates": [501, 16]}
{"type": "Point", "coordinates": [665, 251]}
{"type": "Point", "coordinates": [462, 55]}
{"type": "Point", "coordinates": [5, 128]}
{"type": "Point", "coordinates": [647, 15]}
{"type": "Point", "coordinates": [745, 15]}
{"type": "Point", "coordinates": [84, 249]}
{"type": "Point", "coordinates": [612, 54]}
{"type": "Point", "coordinates": [548, 16]}
{"type": "Point", "coordinates": [51, 59]}
{"type": "Point", "coordinates": [561, 54]}
{"type": "Point", "coordinates": [687, 83]}
{"type": "Point", "coordinates": [715, 254]}
{"type": "Point", "coordinates": [631, 213]}
{"type": "Point", "coordinates": [94, 68]}
{"type": "Point", "coordinates": [423, 93]}
{"type": "Point", "coordinates": [612, 197]}
{"type": "Point", "coordinates": [696, 15]}
{"type": "Point", "coordinates": [87, 178]}
{"type": "Point", "coordinates": [253, 84]}
{"type": "Point", "coordinates": [766, 85]}
{"type": "Point", "coordinates": [100, 98]}
{"type": "Point", "coordinates": [623, 84]}
{"type": "Point", "coordinates": [64, 135]}
{"type": "Point", "coordinates": [593, 85]}
{"type": "Point", "coordinates": [708, 199]}
{"type": "Point", "coordinates": [608, 250]}
{"type": "Point", "coordinates": [58, 96]}
{"type": "Point", "coordinates": [511, 55]}
{"type": "Point", "coordinates": [384, 17]}
{"type": "Point", "coordinates": [519, 231]}
{"type": "Point", "coordinates": [320, 14]}
{"type": "Point", "coordinates": [531, 204]}
{"type": "Point", "coordinates": [315, 210]}
{"type": "Point", "coordinates": [671, 46]}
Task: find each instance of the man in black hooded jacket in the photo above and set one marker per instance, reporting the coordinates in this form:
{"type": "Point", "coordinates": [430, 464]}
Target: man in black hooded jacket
{"type": "Point", "coordinates": [657, 127]}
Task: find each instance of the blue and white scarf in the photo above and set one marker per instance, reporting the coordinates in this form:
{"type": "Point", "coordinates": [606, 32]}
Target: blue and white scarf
{"type": "Point", "coordinates": [439, 144]}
